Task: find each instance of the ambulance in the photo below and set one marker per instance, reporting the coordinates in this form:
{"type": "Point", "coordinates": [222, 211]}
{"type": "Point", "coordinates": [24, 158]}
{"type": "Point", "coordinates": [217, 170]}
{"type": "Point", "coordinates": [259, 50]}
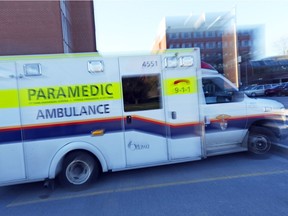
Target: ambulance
{"type": "Point", "coordinates": [73, 116]}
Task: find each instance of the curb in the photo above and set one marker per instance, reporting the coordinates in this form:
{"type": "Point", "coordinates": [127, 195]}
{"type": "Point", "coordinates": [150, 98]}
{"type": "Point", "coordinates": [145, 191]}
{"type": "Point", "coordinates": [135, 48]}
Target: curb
{"type": "Point", "coordinates": [280, 148]}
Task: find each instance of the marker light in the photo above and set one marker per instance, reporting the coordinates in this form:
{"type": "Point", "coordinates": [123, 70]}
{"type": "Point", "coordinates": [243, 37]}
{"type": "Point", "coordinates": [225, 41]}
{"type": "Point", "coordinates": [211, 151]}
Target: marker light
{"type": "Point", "coordinates": [95, 66]}
{"type": "Point", "coordinates": [32, 70]}
{"type": "Point", "coordinates": [186, 61]}
{"type": "Point", "coordinates": [171, 62]}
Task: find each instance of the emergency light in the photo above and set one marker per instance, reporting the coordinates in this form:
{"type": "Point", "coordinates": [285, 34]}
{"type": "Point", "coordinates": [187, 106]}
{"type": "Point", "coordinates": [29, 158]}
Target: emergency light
{"type": "Point", "coordinates": [32, 69]}
{"type": "Point", "coordinates": [186, 61]}
{"type": "Point", "coordinates": [95, 66]}
{"type": "Point", "coordinates": [173, 62]}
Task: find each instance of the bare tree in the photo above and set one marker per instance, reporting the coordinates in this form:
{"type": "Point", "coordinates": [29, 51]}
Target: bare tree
{"type": "Point", "coordinates": [281, 45]}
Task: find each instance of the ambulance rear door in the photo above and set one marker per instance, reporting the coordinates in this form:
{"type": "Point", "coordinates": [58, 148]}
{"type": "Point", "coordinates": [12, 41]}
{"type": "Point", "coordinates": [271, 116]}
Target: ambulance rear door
{"type": "Point", "coordinates": [12, 166]}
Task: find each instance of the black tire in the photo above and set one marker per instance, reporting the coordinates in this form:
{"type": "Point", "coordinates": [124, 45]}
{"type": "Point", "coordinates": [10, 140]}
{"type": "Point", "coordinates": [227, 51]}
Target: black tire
{"type": "Point", "coordinates": [253, 94]}
{"type": "Point", "coordinates": [78, 169]}
{"type": "Point", "coordinates": [260, 140]}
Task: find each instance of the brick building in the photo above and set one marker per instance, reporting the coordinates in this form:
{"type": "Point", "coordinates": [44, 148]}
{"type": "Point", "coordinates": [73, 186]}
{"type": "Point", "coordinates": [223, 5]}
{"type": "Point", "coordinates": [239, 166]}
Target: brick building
{"type": "Point", "coordinates": [221, 44]}
{"type": "Point", "coordinates": [44, 27]}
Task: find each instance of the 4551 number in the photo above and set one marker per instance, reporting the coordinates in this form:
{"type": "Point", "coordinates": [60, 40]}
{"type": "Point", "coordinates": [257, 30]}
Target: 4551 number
{"type": "Point", "coordinates": [149, 64]}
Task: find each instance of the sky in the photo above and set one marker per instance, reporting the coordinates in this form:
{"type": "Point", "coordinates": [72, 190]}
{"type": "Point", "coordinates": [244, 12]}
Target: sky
{"type": "Point", "coordinates": [132, 25]}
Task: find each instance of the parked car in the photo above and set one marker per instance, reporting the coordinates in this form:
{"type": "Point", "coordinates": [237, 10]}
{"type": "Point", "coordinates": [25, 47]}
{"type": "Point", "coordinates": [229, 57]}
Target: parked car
{"type": "Point", "coordinates": [258, 90]}
{"type": "Point", "coordinates": [277, 90]}
{"type": "Point", "coordinates": [285, 90]}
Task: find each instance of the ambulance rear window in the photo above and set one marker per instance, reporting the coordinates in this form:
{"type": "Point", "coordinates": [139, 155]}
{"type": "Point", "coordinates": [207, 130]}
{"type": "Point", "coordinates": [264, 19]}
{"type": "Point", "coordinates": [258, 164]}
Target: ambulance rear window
{"type": "Point", "coordinates": [141, 92]}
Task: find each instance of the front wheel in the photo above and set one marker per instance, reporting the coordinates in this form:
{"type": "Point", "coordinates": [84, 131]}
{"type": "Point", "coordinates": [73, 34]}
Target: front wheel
{"type": "Point", "coordinates": [79, 169]}
{"type": "Point", "coordinates": [260, 140]}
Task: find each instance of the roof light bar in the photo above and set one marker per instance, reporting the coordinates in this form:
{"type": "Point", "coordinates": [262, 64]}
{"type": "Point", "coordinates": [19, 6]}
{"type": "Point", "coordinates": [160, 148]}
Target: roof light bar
{"type": "Point", "coordinates": [171, 62]}
{"type": "Point", "coordinates": [184, 61]}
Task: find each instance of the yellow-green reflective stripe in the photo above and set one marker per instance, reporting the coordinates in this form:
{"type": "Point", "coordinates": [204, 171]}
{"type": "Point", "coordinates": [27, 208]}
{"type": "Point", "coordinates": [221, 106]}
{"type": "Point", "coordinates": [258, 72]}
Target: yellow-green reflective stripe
{"type": "Point", "coordinates": [52, 56]}
{"type": "Point", "coordinates": [176, 86]}
{"type": "Point", "coordinates": [8, 98]}
{"type": "Point", "coordinates": [60, 95]}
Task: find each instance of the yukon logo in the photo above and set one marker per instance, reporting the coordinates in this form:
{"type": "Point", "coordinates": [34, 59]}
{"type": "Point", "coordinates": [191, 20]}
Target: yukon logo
{"type": "Point", "coordinates": [223, 121]}
{"type": "Point", "coordinates": [135, 147]}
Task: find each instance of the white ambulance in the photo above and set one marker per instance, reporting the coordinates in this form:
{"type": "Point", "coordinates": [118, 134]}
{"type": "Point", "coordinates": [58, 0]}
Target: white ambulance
{"type": "Point", "coordinates": [74, 116]}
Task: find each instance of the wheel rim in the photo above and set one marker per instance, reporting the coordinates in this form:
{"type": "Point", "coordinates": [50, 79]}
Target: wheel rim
{"type": "Point", "coordinates": [78, 172]}
{"type": "Point", "coordinates": [260, 144]}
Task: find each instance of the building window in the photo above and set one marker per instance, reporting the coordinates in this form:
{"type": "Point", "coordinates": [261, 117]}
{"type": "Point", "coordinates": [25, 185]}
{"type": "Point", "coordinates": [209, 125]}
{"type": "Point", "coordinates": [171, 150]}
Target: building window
{"type": "Point", "coordinates": [210, 45]}
{"type": "Point", "coordinates": [198, 35]}
{"type": "Point", "coordinates": [173, 45]}
{"type": "Point", "coordinates": [185, 35]}
{"type": "Point", "coordinates": [173, 36]}
{"type": "Point", "coordinates": [245, 43]}
{"type": "Point", "coordinates": [186, 45]}
{"type": "Point", "coordinates": [219, 44]}
{"type": "Point", "coordinates": [210, 34]}
{"type": "Point", "coordinates": [219, 34]}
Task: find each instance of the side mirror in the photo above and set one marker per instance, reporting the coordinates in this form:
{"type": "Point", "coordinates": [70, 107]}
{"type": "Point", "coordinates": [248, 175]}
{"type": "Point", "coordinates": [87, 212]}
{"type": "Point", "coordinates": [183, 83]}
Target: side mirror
{"type": "Point", "coordinates": [238, 96]}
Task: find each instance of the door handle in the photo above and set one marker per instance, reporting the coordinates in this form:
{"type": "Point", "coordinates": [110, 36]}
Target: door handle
{"type": "Point", "coordinates": [129, 119]}
{"type": "Point", "coordinates": [206, 120]}
{"type": "Point", "coordinates": [173, 115]}
{"type": "Point", "coordinates": [12, 76]}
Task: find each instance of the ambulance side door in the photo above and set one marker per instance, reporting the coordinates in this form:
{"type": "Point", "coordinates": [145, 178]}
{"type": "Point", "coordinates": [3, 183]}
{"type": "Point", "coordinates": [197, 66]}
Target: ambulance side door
{"type": "Point", "coordinates": [143, 111]}
{"type": "Point", "coordinates": [182, 105]}
{"type": "Point", "coordinates": [12, 164]}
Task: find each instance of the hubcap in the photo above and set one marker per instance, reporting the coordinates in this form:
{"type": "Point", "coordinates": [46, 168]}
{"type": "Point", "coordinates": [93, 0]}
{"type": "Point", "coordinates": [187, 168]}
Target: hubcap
{"type": "Point", "coordinates": [78, 172]}
{"type": "Point", "coordinates": [259, 144]}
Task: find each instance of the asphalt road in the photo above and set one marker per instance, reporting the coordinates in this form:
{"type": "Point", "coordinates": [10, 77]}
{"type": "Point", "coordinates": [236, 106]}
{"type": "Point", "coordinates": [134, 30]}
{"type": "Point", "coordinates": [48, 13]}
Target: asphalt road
{"type": "Point", "coordinates": [234, 184]}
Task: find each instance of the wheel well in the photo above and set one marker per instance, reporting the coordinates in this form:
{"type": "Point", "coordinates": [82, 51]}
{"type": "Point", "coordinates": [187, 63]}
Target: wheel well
{"type": "Point", "coordinates": [268, 125]}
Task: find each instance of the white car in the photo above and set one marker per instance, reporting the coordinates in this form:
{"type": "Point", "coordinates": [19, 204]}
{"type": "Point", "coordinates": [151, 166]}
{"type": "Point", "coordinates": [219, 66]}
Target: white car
{"type": "Point", "coordinates": [258, 90]}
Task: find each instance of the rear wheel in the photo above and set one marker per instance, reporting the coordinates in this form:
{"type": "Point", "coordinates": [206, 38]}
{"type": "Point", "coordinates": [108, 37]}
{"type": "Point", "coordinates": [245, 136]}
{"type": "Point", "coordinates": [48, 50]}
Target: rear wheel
{"type": "Point", "coordinates": [79, 169]}
{"type": "Point", "coordinates": [260, 140]}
